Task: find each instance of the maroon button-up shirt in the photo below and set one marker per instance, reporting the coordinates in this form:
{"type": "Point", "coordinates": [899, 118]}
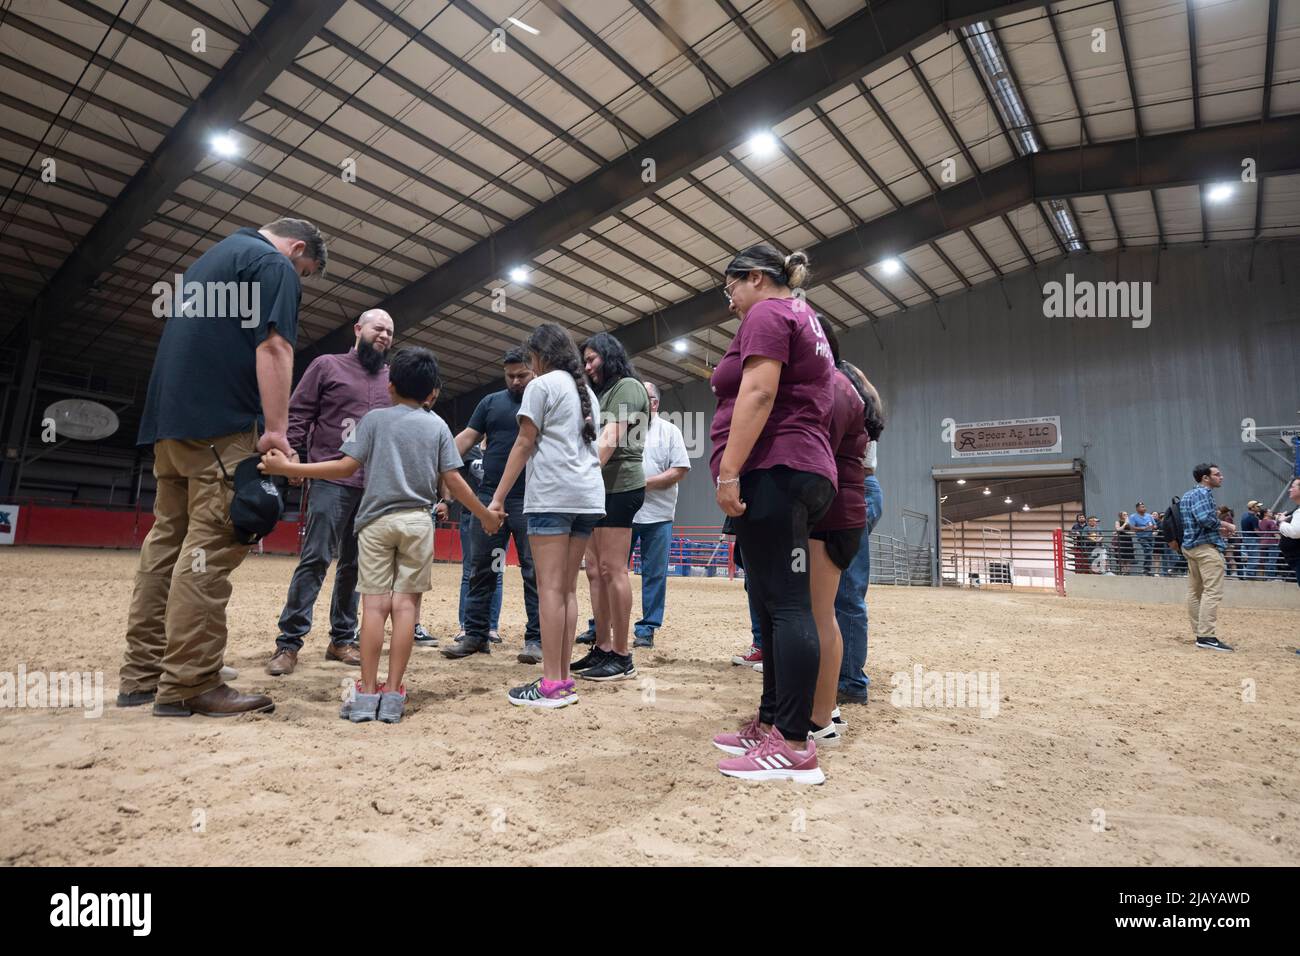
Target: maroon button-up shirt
{"type": "Point", "coordinates": [334, 394]}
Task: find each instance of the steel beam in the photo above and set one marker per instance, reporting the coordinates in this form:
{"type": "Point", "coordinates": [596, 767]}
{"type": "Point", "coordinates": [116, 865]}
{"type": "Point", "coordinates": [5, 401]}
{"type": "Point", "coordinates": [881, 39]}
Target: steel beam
{"type": "Point", "coordinates": [275, 41]}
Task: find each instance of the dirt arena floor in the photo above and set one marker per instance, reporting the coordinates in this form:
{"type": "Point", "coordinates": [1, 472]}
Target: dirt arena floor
{"type": "Point", "coordinates": [1106, 716]}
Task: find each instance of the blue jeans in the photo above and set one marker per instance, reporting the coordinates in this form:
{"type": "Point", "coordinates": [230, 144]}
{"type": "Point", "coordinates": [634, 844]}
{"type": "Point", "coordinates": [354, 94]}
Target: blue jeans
{"type": "Point", "coordinates": [851, 601]}
{"type": "Point", "coordinates": [655, 539]}
{"type": "Point", "coordinates": [330, 535]}
{"type": "Point", "coordinates": [466, 564]}
{"type": "Point", "coordinates": [1144, 546]}
{"type": "Point", "coordinates": [1250, 552]}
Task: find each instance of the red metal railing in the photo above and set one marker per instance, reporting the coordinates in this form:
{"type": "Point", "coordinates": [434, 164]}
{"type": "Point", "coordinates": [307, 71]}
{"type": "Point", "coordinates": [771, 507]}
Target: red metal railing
{"type": "Point", "coordinates": [1058, 559]}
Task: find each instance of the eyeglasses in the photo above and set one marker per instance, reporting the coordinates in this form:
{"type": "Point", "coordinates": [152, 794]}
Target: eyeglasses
{"type": "Point", "coordinates": [726, 290]}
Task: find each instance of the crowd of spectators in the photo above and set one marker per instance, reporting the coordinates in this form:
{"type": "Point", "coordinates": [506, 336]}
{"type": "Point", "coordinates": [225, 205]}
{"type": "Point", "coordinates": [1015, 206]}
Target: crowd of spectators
{"type": "Point", "coordinates": [1135, 545]}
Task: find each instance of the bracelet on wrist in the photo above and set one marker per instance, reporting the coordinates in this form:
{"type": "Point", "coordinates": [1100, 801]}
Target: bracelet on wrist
{"type": "Point", "coordinates": [728, 481]}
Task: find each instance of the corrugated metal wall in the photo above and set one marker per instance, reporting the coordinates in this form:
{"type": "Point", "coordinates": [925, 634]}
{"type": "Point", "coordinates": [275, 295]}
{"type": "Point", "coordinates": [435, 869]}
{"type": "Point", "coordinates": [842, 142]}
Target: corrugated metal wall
{"type": "Point", "coordinates": [1139, 406]}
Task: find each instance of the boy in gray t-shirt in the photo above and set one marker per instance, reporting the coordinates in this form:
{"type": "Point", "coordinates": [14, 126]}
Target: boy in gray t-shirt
{"type": "Point", "coordinates": [405, 450]}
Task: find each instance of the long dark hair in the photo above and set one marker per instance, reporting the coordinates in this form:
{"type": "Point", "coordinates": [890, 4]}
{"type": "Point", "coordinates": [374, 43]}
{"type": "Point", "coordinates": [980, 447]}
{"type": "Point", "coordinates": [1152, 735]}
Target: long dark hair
{"type": "Point", "coordinates": [873, 412]}
{"type": "Point", "coordinates": [555, 349]}
{"type": "Point", "coordinates": [614, 361]}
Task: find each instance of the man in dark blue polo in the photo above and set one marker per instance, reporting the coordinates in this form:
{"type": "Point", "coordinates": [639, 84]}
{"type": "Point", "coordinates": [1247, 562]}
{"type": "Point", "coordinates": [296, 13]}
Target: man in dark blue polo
{"type": "Point", "coordinates": [219, 393]}
{"type": "Point", "coordinates": [496, 417]}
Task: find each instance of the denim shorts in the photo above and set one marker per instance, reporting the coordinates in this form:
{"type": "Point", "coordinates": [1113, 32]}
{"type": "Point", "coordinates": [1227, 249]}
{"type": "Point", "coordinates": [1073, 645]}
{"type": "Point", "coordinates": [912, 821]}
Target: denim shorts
{"type": "Point", "coordinates": [562, 522]}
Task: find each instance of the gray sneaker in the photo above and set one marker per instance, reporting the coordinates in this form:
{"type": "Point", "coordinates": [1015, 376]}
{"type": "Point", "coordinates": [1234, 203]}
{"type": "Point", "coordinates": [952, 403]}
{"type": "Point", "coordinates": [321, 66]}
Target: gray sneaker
{"type": "Point", "coordinates": [532, 653]}
{"type": "Point", "coordinates": [361, 707]}
{"type": "Point", "coordinates": [391, 706]}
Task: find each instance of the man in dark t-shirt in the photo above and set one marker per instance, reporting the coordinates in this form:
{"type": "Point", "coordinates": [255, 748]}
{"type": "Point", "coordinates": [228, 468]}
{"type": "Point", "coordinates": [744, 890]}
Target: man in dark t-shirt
{"type": "Point", "coordinates": [496, 417]}
{"type": "Point", "coordinates": [221, 376]}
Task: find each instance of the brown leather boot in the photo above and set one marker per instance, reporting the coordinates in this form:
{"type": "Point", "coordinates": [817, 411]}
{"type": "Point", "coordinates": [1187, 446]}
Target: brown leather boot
{"type": "Point", "coordinates": [344, 654]}
{"type": "Point", "coordinates": [221, 701]}
{"type": "Point", "coordinates": [282, 662]}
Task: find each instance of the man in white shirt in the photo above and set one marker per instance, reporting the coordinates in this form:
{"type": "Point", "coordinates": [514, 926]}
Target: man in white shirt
{"type": "Point", "coordinates": [666, 463]}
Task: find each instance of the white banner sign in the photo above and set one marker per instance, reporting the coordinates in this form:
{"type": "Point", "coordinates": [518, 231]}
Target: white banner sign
{"type": "Point", "coordinates": [1012, 436]}
{"type": "Point", "coordinates": [8, 523]}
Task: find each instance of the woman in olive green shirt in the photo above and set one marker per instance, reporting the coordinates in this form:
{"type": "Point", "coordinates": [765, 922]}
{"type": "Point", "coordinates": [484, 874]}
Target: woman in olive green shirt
{"type": "Point", "coordinates": [624, 419]}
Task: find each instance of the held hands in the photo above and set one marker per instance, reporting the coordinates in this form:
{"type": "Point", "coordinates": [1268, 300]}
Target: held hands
{"type": "Point", "coordinates": [278, 441]}
{"type": "Point", "coordinates": [496, 514]}
{"type": "Point", "coordinates": [441, 511]}
{"type": "Point", "coordinates": [274, 460]}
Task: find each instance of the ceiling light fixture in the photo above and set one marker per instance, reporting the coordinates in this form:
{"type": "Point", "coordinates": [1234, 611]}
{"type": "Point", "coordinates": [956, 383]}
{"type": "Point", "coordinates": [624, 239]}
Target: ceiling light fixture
{"type": "Point", "coordinates": [519, 274]}
{"type": "Point", "coordinates": [891, 266]}
{"type": "Point", "coordinates": [523, 26]}
{"type": "Point", "coordinates": [1219, 192]}
{"type": "Point", "coordinates": [762, 144]}
{"type": "Point", "coordinates": [224, 145]}
{"type": "Point", "coordinates": [680, 345]}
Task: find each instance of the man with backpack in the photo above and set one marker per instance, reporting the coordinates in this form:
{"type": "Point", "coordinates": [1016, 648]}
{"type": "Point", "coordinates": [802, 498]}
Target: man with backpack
{"type": "Point", "coordinates": [1203, 546]}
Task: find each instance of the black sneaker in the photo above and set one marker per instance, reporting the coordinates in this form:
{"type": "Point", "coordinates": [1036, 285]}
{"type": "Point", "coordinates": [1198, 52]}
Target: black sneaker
{"type": "Point", "coordinates": [613, 667]}
{"type": "Point", "coordinates": [1212, 644]}
{"type": "Point", "coordinates": [423, 638]}
{"type": "Point", "coordinates": [588, 638]}
{"type": "Point", "coordinates": [644, 640]}
{"type": "Point", "coordinates": [594, 656]}
{"type": "Point", "coordinates": [494, 637]}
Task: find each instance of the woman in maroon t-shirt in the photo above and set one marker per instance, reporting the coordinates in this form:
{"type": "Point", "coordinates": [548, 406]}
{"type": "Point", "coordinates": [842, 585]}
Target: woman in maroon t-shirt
{"type": "Point", "coordinates": [835, 540]}
{"type": "Point", "coordinates": [775, 477]}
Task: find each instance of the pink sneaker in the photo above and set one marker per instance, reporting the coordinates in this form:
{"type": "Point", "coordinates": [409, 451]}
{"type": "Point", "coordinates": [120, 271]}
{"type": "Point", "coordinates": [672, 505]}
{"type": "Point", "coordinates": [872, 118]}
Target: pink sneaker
{"type": "Point", "coordinates": [749, 737]}
{"type": "Point", "coordinates": [774, 759]}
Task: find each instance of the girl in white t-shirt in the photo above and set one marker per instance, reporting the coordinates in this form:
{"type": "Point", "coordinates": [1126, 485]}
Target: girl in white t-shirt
{"type": "Point", "coordinates": [564, 497]}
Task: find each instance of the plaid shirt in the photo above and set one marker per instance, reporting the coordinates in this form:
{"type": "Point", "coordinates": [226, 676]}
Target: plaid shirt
{"type": "Point", "coordinates": [1200, 518]}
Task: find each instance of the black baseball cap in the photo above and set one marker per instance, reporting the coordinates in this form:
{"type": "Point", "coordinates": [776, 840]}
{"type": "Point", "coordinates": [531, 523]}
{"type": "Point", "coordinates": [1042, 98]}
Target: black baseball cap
{"type": "Point", "coordinates": [259, 499]}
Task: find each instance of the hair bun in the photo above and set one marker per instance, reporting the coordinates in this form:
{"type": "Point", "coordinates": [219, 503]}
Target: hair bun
{"type": "Point", "coordinates": [796, 268]}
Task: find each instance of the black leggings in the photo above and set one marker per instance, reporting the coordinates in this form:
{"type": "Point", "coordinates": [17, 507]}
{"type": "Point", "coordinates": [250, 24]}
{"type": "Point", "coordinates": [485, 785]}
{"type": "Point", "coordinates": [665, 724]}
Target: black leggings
{"type": "Point", "coordinates": [781, 507]}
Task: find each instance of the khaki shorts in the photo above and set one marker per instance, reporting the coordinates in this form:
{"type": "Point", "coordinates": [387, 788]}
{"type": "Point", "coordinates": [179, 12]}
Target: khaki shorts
{"type": "Point", "coordinates": [395, 553]}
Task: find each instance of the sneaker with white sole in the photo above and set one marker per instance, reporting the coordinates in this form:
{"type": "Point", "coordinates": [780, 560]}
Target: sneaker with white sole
{"type": "Point", "coordinates": [590, 659]}
{"type": "Point", "coordinates": [774, 759]}
{"type": "Point", "coordinates": [838, 720]}
{"type": "Point", "coordinates": [556, 694]}
{"type": "Point", "coordinates": [1212, 644]}
{"type": "Point", "coordinates": [829, 736]}
{"type": "Point", "coordinates": [741, 742]}
{"type": "Point", "coordinates": [615, 666]}
{"type": "Point", "coordinates": [423, 638]}
{"type": "Point", "coordinates": [753, 659]}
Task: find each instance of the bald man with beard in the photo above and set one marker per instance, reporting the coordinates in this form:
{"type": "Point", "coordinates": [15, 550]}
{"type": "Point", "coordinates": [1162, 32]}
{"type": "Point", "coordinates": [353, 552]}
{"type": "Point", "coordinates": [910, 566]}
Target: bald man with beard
{"type": "Point", "coordinates": [334, 395]}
